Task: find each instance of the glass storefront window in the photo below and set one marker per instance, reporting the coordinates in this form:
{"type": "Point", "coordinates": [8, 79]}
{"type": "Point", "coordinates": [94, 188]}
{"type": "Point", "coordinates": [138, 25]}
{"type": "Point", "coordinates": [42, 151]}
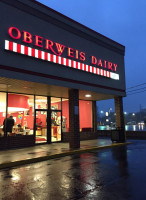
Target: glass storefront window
{"type": "Point", "coordinates": [55, 119]}
{"type": "Point", "coordinates": [85, 115]}
{"type": "Point", "coordinates": [2, 111]}
{"type": "Point", "coordinates": [41, 126]}
{"type": "Point", "coordinates": [20, 116]}
{"type": "Point", "coordinates": [41, 102]}
{"type": "Point", "coordinates": [65, 115]}
{"type": "Point", "coordinates": [55, 126]}
{"type": "Point", "coordinates": [55, 103]}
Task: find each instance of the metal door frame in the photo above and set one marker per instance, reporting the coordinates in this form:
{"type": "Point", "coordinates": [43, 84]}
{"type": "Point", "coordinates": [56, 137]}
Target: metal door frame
{"type": "Point", "coordinates": [61, 125]}
{"type": "Point", "coordinates": [36, 110]}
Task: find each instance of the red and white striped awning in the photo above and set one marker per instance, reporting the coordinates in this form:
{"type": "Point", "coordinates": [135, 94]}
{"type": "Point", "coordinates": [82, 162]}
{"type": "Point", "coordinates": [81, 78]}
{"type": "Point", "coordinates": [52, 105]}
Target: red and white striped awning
{"type": "Point", "coordinates": [28, 51]}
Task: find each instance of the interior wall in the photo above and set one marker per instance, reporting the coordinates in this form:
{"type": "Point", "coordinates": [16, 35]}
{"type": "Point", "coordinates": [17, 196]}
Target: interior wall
{"type": "Point", "coordinates": [16, 100]}
{"type": "Point", "coordinates": [85, 114]}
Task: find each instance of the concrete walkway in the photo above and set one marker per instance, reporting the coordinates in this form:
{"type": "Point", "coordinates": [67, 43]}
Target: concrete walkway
{"type": "Point", "coordinates": [16, 157]}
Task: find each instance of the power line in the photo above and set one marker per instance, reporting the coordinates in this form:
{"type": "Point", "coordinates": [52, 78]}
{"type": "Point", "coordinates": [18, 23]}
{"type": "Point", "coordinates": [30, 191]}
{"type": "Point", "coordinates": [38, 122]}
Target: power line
{"type": "Point", "coordinates": [136, 89]}
{"type": "Point", "coordinates": [136, 92]}
{"type": "Point", "coordinates": [136, 86]}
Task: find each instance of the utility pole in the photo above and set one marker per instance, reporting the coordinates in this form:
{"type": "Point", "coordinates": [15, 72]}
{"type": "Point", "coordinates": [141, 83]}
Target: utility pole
{"type": "Point", "coordinates": [140, 112]}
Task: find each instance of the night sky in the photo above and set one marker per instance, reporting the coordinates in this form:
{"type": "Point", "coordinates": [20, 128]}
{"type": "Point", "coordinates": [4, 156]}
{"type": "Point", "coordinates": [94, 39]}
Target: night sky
{"type": "Point", "coordinates": [123, 21]}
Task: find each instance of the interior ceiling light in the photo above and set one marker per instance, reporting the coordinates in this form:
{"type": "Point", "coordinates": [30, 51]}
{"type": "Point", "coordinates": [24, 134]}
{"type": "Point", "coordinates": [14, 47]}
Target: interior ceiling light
{"type": "Point", "coordinates": [87, 95]}
{"type": "Point", "coordinates": [14, 109]}
{"type": "Point", "coordinates": [55, 101]}
{"type": "Point", "coordinates": [41, 100]}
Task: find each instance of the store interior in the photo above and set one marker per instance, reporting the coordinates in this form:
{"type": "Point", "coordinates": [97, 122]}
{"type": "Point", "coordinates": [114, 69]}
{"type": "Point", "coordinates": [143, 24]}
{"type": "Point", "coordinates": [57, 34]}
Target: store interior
{"type": "Point", "coordinates": [21, 107]}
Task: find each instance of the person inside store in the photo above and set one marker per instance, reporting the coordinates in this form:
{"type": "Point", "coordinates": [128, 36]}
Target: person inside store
{"type": "Point", "coordinates": [8, 124]}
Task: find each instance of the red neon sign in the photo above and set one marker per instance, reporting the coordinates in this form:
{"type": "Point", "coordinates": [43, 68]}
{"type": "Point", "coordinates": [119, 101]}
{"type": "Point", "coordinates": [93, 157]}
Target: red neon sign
{"type": "Point", "coordinates": [58, 48]}
{"type": "Point", "coordinates": [38, 41]}
{"type": "Point", "coordinates": [27, 37]}
{"type": "Point", "coordinates": [14, 31]}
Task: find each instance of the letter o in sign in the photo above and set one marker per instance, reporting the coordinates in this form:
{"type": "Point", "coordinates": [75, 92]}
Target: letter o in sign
{"type": "Point", "coordinates": [14, 33]}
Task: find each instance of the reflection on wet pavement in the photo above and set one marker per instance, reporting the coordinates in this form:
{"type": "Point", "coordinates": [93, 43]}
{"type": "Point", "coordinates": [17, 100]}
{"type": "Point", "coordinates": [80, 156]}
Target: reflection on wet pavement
{"type": "Point", "coordinates": [113, 174]}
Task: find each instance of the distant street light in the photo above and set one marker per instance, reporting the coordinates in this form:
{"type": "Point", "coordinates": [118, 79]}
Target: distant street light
{"type": "Point", "coordinates": [106, 114]}
{"type": "Point", "coordinates": [101, 112]}
{"type": "Point", "coordinates": [125, 113]}
{"type": "Point", "coordinates": [110, 109]}
{"type": "Point", "coordinates": [133, 114]}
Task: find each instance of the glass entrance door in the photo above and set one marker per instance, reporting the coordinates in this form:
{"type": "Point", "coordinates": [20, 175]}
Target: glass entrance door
{"type": "Point", "coordinates": [56, 126]}
{"type": "Point", "coordinates": [40, 126]}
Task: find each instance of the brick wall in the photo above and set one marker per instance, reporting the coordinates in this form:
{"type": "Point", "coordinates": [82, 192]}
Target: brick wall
{"type": "Point", "coordinates": [3, 143]}
{"type": "Point", "coordinates": [136, 134]}
{"type": "Point", "coordinates": [83, 136]}
{"type": "Point", "coordinates": [74, 136]}
{"type": "Point", "coordinates": [17, 141]}
{"type": "Point", "coordinates": [120, 122]}
{"type": "Point", "coordinates": [104, 133]}
{"type": "Point", "coordinates": [129, 134]}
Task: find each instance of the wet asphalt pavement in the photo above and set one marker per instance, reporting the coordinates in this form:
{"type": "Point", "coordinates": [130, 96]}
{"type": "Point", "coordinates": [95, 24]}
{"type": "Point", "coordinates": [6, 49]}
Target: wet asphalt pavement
{"type": "Point", "coordinates": [112, 174]}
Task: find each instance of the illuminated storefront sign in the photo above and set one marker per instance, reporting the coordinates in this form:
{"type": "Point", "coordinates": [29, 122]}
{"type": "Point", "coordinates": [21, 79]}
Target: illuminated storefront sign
{"type": "Point", "coordinates": [57, 50]}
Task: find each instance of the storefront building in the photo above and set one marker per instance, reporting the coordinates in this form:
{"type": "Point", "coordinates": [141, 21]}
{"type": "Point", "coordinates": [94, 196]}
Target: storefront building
{"type": "Point", "coordinates": [52, 72]}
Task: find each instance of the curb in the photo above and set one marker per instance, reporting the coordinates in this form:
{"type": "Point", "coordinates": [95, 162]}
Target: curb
{"type": "Point", "coordinates": [59, 155]}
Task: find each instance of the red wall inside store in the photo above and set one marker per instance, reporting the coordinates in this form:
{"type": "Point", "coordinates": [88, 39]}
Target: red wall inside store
{"type": "Point", "coordinates": [1, 118]}
{"type": "Point", "coordinates": [41, 118]}
{"type": "Point", "coordinates": [28, 118]}
{"type": "Point", "coordinates": [85, 114]}
{"type": "Point", "coordinates": [19, 101]}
